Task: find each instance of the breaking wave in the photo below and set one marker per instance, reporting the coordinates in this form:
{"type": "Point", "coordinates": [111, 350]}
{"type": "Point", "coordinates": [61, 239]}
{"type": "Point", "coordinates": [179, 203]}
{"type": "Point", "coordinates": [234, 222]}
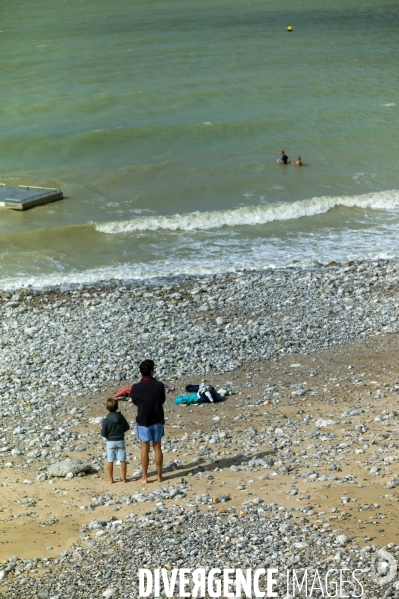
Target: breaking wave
{"type": "Point", "coordinates": [251, 215]}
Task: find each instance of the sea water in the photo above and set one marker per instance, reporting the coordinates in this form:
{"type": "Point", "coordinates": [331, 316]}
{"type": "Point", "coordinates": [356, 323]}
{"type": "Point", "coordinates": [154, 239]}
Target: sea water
{"type": "Point", "coordinates": [162, 120]}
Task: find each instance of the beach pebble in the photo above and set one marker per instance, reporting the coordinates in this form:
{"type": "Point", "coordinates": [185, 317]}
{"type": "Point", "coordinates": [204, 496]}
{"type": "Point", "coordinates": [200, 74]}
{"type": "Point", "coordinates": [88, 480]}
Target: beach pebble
{"type": "Point", "coordinates": [95, 524]}
{"type": "Point", "coordinates": [301, 546]}
{"type": "Point", "coordinates": [320, 422]}
{"type": "Point", "coordinates": [341, 540]}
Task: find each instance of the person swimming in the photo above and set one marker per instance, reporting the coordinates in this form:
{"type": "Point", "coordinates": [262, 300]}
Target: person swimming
{"type": "Point", "coordinates": [298, 162]}
{"type": "Point", "coordinates": [283, 158]}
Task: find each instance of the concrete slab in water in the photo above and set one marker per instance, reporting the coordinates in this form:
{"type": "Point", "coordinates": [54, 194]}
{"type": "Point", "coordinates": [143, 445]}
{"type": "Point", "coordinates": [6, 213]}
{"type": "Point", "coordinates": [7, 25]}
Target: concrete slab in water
{"type": "Point", "coordinates": [24, 197]}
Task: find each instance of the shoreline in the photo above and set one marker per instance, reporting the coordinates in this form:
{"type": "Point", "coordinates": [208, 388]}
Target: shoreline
{"type": "Point", "coordinates": [180, 278]}
{"type": "Point", "coordinates": [192, 325]}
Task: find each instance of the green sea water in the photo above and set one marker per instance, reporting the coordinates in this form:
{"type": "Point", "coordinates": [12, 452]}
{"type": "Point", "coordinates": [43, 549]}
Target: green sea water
{"type": "Point", "coordinates": [162, 120]}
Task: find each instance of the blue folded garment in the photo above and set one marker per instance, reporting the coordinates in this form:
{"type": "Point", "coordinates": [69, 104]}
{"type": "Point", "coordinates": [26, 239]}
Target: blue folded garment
{"type": "Point", "coordinates": [187, 399]}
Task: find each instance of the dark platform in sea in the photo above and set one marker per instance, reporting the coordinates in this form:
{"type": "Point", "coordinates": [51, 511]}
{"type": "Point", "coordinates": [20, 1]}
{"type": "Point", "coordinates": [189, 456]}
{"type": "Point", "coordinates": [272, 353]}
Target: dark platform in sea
{"type": "Point", "coordinates": [24, 197]}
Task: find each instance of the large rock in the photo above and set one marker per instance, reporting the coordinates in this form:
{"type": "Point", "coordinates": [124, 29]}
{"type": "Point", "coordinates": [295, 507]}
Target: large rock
{"type": "Point", "coordinates": [67, 466]}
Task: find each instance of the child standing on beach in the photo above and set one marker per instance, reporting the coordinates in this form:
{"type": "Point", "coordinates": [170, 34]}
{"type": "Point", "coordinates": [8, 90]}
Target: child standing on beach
{"type": "Point", "coordinates": [113, 429]}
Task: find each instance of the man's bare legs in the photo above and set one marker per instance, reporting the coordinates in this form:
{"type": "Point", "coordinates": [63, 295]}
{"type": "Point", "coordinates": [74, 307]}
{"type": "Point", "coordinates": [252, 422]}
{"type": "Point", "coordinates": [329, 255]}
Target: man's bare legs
{"type": "Point", "coordinates": [145, 459]}
{"type": "Point", "coordinates": [111, 472]}
{"type": "Point", "coordinates": [158, 458]}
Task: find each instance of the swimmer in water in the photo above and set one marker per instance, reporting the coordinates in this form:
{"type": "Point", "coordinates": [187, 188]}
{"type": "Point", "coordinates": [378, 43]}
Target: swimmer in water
{"type": "Point", "coordinates": [298, 162]}
{"type": "Point", "coordinates": [283, 158]}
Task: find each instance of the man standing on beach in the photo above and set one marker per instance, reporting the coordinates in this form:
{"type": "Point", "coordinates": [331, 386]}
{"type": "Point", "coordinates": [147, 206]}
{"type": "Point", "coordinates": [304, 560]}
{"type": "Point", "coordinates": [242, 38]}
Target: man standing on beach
{"type": "Point", "coordinates": [149, 396]}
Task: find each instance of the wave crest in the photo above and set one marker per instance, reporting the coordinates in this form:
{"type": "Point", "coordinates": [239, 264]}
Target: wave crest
{"type": "Point", "coordinates": [251, 215]}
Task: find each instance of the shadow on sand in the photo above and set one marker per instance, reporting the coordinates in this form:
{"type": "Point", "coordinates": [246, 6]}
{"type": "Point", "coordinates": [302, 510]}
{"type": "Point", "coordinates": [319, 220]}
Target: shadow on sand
{"type": "Point", "coordinates": [200, 464]}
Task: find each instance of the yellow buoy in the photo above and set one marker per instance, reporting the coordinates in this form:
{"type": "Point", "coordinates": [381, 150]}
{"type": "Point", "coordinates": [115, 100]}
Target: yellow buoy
{"type": "Point", "coordinates": [289, 28]}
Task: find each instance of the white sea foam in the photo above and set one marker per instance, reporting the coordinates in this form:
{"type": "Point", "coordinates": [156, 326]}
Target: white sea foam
{"type": "Point", "coordinates": [251, 215]}
{"type": "Point", "coordinates": [123, 272]}
{"type": "Point", "coordinates": [254, 257]}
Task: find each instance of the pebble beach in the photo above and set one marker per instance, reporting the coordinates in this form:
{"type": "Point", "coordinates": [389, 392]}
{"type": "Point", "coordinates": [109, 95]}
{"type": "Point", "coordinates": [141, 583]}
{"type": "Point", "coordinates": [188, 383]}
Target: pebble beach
{"type": "Point", "coordinates": [298, 467]}
{"type": "Point", "coordinates": [180, 239]}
